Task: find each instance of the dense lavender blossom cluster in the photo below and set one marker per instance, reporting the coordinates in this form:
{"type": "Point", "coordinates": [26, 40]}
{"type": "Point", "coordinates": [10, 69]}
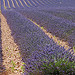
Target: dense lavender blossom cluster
{"type": "Point", "coordinates": [62, 13]}
{"type": "Point", "coordinates": [60, 27]}
{"type": "Point", "coordinates": [50, 54]}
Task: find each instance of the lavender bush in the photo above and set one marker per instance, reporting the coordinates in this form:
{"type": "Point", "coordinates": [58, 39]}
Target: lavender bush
{"type": "Point", "coordinates": [51, 61]}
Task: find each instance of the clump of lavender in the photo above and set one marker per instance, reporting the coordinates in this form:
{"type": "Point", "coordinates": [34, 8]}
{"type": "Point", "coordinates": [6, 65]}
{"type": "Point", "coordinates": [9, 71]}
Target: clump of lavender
{"type": "Point", "coordinates": [51, 60]}
{"type": "Point", "coordinates": [60, 66]}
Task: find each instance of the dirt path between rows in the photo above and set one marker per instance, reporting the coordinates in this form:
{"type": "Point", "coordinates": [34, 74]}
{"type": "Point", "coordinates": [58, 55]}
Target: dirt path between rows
{"type": "Point", "coordinates": [10, 51]}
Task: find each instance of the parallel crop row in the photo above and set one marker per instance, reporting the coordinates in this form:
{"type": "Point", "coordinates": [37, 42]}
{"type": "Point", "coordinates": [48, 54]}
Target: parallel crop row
{"type": "Point", "coordinates": [39, 52]}
{"type": "Point", "coordinates": [60, 27]}
{"type": "Point", "coordinates": [41, 55]}
{"type": "Point", "coordinates": [33, 3]}
{"type": "Point", "coordinates": [22, 3]}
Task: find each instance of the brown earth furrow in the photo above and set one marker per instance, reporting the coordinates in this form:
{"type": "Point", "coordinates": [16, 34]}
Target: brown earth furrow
{"type": "Point", "coordinates": [10, 50]}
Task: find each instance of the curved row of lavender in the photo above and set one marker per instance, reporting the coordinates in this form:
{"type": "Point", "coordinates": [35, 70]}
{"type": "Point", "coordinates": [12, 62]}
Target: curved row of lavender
{"type": "Point", "coordinates": [23, 3]}
{"type": "Point", "coordinates": [11, 4]}
{"type": "Point", "coordinates": [62, 27]}
{"type": "Point", "coordinates": [35, 46]}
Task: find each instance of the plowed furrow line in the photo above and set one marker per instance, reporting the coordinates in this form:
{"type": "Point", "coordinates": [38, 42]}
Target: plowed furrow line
{"type": "Point", "coordinates": [6, 3]}
{"type": "Point", "coordinates": [35, 2]}
{"type": "Point", "coordinates": [42, 2]}
{"type": "Point", "coordinates": [24, 4]}
{"type": "Point", "coordinates": [16, 4]}
{"type": "Point", "coordinates": [50, 2]}
{"type": "Point", "coordinates": [2, 4]}
{"type": "Point", "coordinates": [27, 3]}
{"type": "Point", "coordinates": [39, 2]}
{"type": "Point", "coordinates": [10, 50]}
{"type": "Point", "coordinates": [30, 1]}
{"type": "Point", "coordinates": [11, 4]}
{"type": "Point", "coordinates": [19, 3]}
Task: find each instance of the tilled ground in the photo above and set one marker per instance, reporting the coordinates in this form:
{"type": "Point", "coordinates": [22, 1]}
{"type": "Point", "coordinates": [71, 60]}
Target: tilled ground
{"type": "Point", "coordinates": [20, 37]}
{"type": "Point", "coordinates": [10, 51]}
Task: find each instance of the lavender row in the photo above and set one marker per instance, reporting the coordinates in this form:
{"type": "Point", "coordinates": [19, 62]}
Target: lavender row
{"type": "Point", "coordinates": [35, 47]}
{"type": "Point", "coordinates": [59, 27]}
{"type": "Point", "coordinates": [61, 13]}
{"type": "Point", "coordinates": [26, 34]}
{"type": "Point", "coordinates": [11, 4]}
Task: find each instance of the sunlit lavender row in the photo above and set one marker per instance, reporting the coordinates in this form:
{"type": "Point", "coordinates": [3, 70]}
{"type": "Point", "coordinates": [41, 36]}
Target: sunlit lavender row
{"type": "Point", "coordinates": [54, 23]}
{"type": "Point", "coordinates": [40, 53]}
{"type": "Point", "coordinates": [35, 46]}
{"type": "Point", "coordinates": [11, 4]}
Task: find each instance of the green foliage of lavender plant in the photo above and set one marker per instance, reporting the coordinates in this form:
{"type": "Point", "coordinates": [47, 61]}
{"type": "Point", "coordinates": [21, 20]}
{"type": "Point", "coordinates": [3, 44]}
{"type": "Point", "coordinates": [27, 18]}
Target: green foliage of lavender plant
{"type": "Point", "coordinates": [59, 66]}
{"type": "Point", "coordinates": [51, 61]}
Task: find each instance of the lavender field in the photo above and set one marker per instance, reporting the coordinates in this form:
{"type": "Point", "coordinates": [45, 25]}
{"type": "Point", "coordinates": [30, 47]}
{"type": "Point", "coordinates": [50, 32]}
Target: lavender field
{"type": "Point", "coordinates": [37, 37]}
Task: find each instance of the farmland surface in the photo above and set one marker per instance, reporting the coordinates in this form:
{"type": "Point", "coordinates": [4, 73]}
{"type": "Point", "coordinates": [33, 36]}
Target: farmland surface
{"type": "Point", "coordinates": [32, 30]}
